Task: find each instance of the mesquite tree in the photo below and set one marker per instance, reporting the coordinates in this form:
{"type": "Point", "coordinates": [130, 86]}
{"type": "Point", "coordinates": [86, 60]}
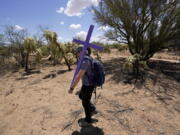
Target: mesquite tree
{"type": "Point", "coordinates": [147, 26]}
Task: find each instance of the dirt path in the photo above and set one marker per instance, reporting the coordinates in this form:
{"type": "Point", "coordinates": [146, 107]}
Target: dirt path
{"type": "Point", "coordinates": [31, 105]}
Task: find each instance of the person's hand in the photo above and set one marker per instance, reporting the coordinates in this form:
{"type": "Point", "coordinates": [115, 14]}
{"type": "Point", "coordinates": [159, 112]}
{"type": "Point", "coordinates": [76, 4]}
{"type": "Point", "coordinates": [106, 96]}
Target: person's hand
{"type": "Point", "coordinates": [70, 91]}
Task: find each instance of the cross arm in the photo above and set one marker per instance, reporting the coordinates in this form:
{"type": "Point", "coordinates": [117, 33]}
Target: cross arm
{"type": "Point", "coordinates": [89, 45]}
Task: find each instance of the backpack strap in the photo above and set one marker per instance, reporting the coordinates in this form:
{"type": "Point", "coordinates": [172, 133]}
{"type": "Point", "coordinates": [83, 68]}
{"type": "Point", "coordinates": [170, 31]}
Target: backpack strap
{"type": "Point", "coordinates": [94, 91]}
{"type": "Point", "coordinates": [90, 59]}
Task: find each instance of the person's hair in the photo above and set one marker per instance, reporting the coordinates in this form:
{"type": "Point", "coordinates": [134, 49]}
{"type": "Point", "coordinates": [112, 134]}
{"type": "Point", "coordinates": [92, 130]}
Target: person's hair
{"type": "Point", "coordinates": [89, 51]}
{"type": "Point", "coordinates": [80, 48]}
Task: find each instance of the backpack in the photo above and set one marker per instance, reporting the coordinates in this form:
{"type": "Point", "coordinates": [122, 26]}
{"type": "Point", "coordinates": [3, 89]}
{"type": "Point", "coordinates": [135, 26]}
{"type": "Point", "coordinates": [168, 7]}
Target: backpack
{"type": "Point", "coordinates": [98, 77]}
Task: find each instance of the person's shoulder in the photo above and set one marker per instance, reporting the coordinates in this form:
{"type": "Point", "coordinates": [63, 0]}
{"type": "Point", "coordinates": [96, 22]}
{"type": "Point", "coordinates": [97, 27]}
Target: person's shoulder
{"type": "Point", "coordinates": [87, 59]}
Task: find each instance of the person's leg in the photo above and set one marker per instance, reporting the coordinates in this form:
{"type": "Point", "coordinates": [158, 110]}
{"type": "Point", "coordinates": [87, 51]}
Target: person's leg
{"type": "Point", "coordinates": [86, 93]}
{"type": "Point", "coordinates": [93, 108]}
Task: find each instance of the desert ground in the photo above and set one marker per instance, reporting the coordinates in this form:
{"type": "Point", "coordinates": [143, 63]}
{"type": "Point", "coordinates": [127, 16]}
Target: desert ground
{"type": "Point", "coordinates": [39, 104]}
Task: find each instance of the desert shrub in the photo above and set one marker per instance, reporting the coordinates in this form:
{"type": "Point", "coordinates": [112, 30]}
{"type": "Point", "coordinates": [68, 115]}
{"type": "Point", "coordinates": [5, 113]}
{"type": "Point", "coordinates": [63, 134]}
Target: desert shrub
{"type": "Point", "coordinates": [132, 62]}
{"type": "Point", "coordinates": [107, 49]}
{"type": "Point", "coordinates": [4, 54]}
{"type": "Point", "coordinates": [45, 50]}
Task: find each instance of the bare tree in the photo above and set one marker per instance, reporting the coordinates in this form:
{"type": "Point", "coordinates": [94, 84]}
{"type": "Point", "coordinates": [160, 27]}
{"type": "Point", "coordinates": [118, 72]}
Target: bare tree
{"type": "Point", "coordinates": [16, 38]}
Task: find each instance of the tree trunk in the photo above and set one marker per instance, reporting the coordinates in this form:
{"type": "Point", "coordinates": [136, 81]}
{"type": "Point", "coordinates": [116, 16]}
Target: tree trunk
{"type": "Point", "coordinates": [27, 59]}
{"type": "Point", "coordinates": [66, 60]}
{"type": "Point", "coordinates": [54, 60]}
{"type": "Point", "coordinates": [67, 63]}
{"type": "Point", "coordinates": [22, 59]}
{"type": "Point", "coordinates": [136, 68]}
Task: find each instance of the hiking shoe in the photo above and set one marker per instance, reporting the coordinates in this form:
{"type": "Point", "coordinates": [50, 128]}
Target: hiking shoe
{"type": "Point", "coordinates": [94, 112]}
{"type": "Point", "coordinates": [83, 123]}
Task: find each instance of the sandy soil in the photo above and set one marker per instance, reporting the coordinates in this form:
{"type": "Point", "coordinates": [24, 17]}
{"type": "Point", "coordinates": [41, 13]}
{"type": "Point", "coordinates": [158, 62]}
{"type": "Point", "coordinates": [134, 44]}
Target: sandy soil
{"type": "Point", "coordinates": [38, 104]}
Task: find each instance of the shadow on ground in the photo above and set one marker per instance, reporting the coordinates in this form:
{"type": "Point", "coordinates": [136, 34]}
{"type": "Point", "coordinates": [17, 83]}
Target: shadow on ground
{"type": "Point", "coordinates": [162, 73]}
{"type": "Point", "coordinates": [32, 71]}
{"type": "Point", "coordinates": [114, 67]}
{"type": "Point", "coordinates": [170, 69]}
{"type": "Point", "coordinates": [91, 130]}
{"type": "Point", "coordinates": [55, 73]}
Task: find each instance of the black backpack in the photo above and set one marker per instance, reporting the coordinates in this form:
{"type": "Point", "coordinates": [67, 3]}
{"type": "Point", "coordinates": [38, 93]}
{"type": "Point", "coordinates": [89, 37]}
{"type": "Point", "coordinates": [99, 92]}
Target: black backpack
{"type": "Point", "coordinates": [98, 77]}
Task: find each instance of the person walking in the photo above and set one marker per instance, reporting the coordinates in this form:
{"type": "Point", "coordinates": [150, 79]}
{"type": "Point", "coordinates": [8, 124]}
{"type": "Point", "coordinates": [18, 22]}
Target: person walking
{"type": "Point", "coordinates": [85, 74]}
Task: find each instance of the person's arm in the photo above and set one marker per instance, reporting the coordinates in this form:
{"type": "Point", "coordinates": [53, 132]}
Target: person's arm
{"type": "Point", "coordinates": [76, 81]}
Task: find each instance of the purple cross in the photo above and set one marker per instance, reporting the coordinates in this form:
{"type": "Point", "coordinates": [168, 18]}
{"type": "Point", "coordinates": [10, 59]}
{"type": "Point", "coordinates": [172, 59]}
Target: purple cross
{"type": "Point", "coordinates": [86, 45]}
